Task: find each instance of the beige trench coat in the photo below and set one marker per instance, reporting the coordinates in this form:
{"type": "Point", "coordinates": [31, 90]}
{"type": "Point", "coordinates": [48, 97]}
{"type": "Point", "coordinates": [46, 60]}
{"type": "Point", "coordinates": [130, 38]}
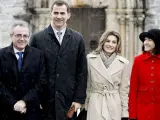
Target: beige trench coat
{"type": "Point", "coordinates": [107, 89]}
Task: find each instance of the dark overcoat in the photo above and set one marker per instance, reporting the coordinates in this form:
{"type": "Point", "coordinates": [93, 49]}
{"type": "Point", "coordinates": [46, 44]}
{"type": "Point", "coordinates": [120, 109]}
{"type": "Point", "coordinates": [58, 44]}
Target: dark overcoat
{"type": "Point", "coordinates": [26, 84]}
{"type": "Point", "coordinates": [66, 70]}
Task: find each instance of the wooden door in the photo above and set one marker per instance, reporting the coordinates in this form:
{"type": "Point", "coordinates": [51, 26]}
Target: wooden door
{"type": "Point", "coordinates": [90, 22]}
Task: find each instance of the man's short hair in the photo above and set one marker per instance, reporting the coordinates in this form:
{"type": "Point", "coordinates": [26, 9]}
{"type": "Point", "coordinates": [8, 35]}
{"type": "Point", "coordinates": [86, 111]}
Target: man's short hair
{"type": "Point", "coordinates": [60, 3]}
{"type": "Point", "coordinates": [19, 23]}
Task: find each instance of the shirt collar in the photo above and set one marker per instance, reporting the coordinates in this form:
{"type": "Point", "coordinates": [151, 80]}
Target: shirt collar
{"type": "Point", "coordinates": [55, 31]}
{"type": "Point", "coordinates": [15, 50]}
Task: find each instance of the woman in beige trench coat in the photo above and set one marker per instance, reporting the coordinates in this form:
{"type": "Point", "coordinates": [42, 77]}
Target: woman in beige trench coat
{"type": "Point", "coordinates": [108, 80]}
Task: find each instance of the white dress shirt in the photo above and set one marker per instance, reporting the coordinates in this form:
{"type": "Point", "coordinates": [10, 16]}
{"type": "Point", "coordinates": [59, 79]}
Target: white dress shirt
{"type": "Point", "coordinates": [15, 51]}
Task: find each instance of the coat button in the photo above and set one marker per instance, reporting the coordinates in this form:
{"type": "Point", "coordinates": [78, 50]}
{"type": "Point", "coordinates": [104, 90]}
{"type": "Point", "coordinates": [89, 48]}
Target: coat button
{"type": "Point", "coordinates": [152, 61]}
{"type": "Point", "coordinates": [152, 74]}
{"type": "Point", "coordinates": [152, 67]}
{"type": "Point", "coordinates": [15, 88]}
{"type": "Point", "coordinates": [56, 92]}
{"type": "Point", "coordinates": [57, 75]}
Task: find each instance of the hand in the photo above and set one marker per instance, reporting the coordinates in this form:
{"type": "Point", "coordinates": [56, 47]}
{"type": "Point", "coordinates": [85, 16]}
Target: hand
{"type": "Point", "coordinates": [20, 106]}
{"type": "Point", "coordinates": [124, 118]}
{"type": "Point", "coordinates": [24, 110]}
{"type": "Point", "coordinates": [77, 106]}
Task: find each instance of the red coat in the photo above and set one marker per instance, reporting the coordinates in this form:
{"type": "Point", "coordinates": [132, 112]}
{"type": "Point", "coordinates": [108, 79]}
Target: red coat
{"type": "Point", "coordinates": [144, 96]}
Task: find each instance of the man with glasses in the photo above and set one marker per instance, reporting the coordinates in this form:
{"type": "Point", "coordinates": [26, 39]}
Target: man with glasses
{"type": "Point", "coordinates": [22, 77]}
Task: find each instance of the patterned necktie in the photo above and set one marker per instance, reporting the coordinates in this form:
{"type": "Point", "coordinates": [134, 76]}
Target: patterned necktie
{"type": "Point", "coordinates": [59, 36]}
{"type": "Point", "coordinates": [20, 60]}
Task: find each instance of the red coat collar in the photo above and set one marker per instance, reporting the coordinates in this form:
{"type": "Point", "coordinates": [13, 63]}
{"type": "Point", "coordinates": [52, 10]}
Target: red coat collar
{"type": "Point", "coordinates": [148, 55]}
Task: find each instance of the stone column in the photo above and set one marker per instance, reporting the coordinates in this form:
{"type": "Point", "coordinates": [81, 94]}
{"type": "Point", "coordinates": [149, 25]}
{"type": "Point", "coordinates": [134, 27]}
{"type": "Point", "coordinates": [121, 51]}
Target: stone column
{"type": "Point", "coordinates": [127, 38]}
{"type": "Point", "coordinates": [37, 23]}
{"type": "Point", "coordinates": [140, 26]}
{"type": "Point", "coordinates": [37, 3]}
{"type": "Point", "coordinates": [111, 19]}
{"type": "Point", "coordinates": [50, 2]}
{"type": "Point", "coordinates": [122, 20]}
{"type": "Point", "coordinates": [136, 37]}
{"type": "Point", "coordinates": [41, 22]}
{"type": "Point", "coordinates": [131, 30]}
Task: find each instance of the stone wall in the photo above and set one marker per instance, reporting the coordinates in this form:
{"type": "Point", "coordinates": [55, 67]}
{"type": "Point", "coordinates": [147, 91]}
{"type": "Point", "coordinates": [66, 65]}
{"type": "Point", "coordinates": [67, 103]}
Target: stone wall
{"type": "Point", "coordinates": [152, 19]}
{"type": "Point", "coordinates": [9, 9]}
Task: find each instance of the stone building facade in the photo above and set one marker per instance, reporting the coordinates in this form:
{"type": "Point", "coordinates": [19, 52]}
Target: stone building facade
{"type": "Point", "coordinates": [8, 10]}
{"type": "Point", "coordinates": [128, 17]}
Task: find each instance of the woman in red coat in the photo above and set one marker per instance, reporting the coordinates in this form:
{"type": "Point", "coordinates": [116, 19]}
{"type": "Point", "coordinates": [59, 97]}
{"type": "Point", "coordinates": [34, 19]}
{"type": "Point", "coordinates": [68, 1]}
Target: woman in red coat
{"type": "Point", "coordinates": [144, 97]}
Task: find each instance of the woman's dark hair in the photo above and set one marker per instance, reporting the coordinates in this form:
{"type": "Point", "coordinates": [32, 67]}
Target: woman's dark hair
{"type": "Point", "coordinates": [153, 34]}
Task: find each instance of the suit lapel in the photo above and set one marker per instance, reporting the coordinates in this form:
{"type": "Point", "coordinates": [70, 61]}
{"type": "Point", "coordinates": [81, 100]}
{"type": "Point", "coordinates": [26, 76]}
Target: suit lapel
{"type": "Point", "coordinates": [115, 66]}
{"type": "Point", "coordinates": [11, 59]}
{"type": "Point", "coordinates": [99, 66]}
{"type": "Point", "coordinates": [65, 40]}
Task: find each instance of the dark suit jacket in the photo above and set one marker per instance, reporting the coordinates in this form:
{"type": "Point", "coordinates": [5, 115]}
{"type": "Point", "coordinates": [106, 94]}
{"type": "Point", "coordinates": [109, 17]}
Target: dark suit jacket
{"type": "Point", "coordinates": [66, 69]}
{"type": "Point", "coordinates": [25, 85]}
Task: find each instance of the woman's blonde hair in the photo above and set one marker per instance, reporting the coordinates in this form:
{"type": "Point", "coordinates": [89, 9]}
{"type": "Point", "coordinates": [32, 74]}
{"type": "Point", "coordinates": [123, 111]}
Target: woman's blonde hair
{"type": "Point", "coordinates": [103, 40]}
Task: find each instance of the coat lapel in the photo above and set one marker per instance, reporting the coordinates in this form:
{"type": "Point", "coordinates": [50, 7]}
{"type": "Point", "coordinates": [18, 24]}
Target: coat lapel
{"type": "Point", "coordinates": [99, 66]}
{"type": "Point", "coordinates": [65, 40]}
{"type": "Point", "coordinates": [10, 58]}
{"type": "Point", "coordinates": [115, 66]}
{"type": "Point", "coordinates": [50, 37]}
{"type": "Point", "coordinates": [27, 58]}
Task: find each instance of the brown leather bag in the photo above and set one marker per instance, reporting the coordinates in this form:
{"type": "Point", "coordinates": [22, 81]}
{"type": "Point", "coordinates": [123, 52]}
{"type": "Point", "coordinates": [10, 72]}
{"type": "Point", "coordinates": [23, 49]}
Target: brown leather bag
{"type": "Point", "coordinates": [71, 112]}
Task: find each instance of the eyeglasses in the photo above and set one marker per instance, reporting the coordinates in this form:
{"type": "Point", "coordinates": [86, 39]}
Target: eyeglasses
{"type": "Point", "coordinates": [19, 36]}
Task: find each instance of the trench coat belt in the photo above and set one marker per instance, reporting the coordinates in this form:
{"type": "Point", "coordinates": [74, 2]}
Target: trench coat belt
{"type": "Point", "coordinates": [109, 108]}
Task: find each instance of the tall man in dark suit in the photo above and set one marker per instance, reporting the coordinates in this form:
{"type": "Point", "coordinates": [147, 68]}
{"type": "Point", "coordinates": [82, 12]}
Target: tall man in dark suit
{"type": "Point", "coordinates": [22, 77]}
{"type": "Point", "coordinates": [65, 61]}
